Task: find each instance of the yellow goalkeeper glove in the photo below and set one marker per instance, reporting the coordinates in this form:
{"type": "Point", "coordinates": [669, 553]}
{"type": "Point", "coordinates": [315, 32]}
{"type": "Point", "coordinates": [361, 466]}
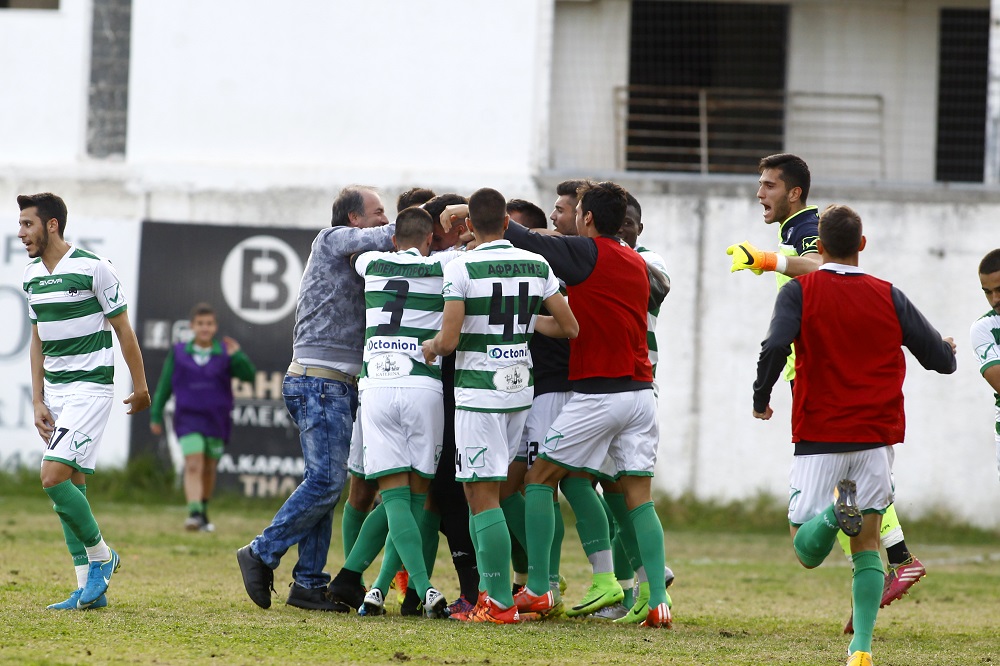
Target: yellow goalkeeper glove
{"type": "Point", "coordinates": [746, 256]}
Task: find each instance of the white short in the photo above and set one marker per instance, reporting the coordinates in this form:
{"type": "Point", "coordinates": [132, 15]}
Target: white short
{"type": "Point", "coordinates": [813, 478]}
{"type": "Point", "coordinates": [80, 421]}
{"type": "Point", "coordinates": [544, 410]}
{"type": "Point", "coordinates": [404, 430]}
{"type": "Point", "coordinates": [486, 443]}
{"type": "Point", "coordinates": [998, 451]}
{"type": "Point", "coordinates": [592, 426]}
{"type": "Point", "coordinates": [356, 456]}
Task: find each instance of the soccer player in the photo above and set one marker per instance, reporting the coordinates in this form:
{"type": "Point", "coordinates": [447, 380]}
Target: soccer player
{"type": "Point", "coordinates": [527, 214]}
{"type": "Point", "coordinates": [847, 407]}
{"type": "Point", "coordinates": [492, 297]}
{"type": "Point", "coordinates": [403, 414]}
{"type": "Point", "coordinates": [75, 300]}
{"type": "Point", "coordinates": [784, 188]}
{"type": "Point", "coordinates": [320, 390]}
{"type": "Point", "coordinates": [199, 373]}
{"type": "Point", "coordinates": [986, 332]}
{"type": "Point", "coordinates": [564, 210]}
{"type": "Point", "coordinates": [612, 409]}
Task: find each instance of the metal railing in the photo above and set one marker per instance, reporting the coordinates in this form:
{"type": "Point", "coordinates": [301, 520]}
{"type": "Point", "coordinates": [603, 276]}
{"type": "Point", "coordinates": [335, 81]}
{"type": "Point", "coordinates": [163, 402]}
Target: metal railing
{"type": "Point", "coordinates": [728, 130]}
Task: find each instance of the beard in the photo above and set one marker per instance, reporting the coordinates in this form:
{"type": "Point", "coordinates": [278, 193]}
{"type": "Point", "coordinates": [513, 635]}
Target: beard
{"type": "Point", "coordinates": [40, 245]}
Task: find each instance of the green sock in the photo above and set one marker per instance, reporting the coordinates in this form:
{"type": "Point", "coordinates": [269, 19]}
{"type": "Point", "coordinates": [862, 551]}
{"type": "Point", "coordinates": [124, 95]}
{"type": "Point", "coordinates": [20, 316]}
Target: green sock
{"type": "Point", "coordinates": [649, 538]}
{"type": "Point", "coordinates": [406, 536]}
{"type": "Point", "coordinates": [391, 563]}
{"type": "Point", "coordinates": [591, 521]}
{"type": "Point", "coordinates": [196, 507]}
{"type": "Point", "coordinates": [612, 527]}
{"type": "Point", "coordinates": [430, 534]}
{"type": "Point", "coordinates": [539, 526]}
{"type": "Point", "coordinates": [350, 526]}
{"type": "Point", "coordinates": [370, 540]}
{"type": "Point", "coordinates": [74, 510]}
{"type": "Point", "coordinates": [474, 535]}
{"type": "Point", "coordinates": [867, 593]}
{"type": "Point", "coordinates": [493, 551]}
{"type": "Point", "coordinates": [814, 539]}
{"type": "Point", "coordinates": [626, 550]}
{"type": "Point", "coordinates": [76, 548]}
{"type": "Point", "coordinates": [513, 513]}
{"type": "Point", "coordinates": [555, 553]}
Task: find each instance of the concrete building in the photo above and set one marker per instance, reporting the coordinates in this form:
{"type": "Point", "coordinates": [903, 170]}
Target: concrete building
{"type": "Point", "coordinates": [254, 114]}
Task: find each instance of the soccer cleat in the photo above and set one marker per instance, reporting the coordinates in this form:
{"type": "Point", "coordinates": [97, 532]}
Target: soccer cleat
{"type": "Point", "coordinates": [207, 527]}
{"type": "Point", "coordinates": [489, 612]}
{"type": "Point", "coordinates": [604, 591]}
{"type": "Point", "coordinates": [194, 522]}
{"type": "Point", "coordinates": [347, 592]}
{"type": "Point", "coordinates": [900, 579]}
{"type": "Point", "coordinates": [860, 658]}
{"type": "Point", "coordinates": [614, 612]}
{"type": "Point", "coordinates": [399, 583]}
{"type": "Point", "coordinates": [374, 604]}
{"type": "Point", "coordinates": [668, 576]}
{"type": "Point", "coordinates": [98, 579]}
{"type": "Point", "coordinates": [658, 617]}
{"type": "Point", "coordinates": [435, 605]}
{"type": "Point", "coordinates": [73, 602]}
{"type": "Point", "coordinates": [640, 609]}
{"type": "Point", "coordinates": [467, 615]}
{"type": "Point", "coordinates": [527, 602]}
{"type": "Point", "coordinates": [258, 578]}
{"type": "Point", "coordinates": [845, 507]}
{"type": "Point", "coordinates": [412, 604]}
{"type": "Point", "coordinates": [459, 607]}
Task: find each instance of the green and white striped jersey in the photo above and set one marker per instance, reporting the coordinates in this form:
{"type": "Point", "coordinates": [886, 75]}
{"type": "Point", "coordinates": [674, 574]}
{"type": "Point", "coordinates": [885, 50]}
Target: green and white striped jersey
{"type": "Point", "coordinates": [70, 308]}
{"type": "Point", "coordinates": [985, 335]}
{"type": "Point", "coordinates": [656, 261]}
{"type": "Point", "coordinates": [503, 289]}
{"type": "Point", "coordinates": [403, 307]}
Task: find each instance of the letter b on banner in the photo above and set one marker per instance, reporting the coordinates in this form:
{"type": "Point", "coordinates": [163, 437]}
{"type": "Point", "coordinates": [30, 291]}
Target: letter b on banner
{"type": "Point", "coordinates": [259, 277]}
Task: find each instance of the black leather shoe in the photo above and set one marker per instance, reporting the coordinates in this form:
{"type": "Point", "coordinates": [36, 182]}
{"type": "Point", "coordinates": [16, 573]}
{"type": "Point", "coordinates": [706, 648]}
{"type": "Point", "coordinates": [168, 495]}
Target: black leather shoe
{"type": "Point", "coordinates": [316, 598]}
{"type": "Point", "coordinates": [258, 578]}
{"type": "Point", "coordinates": [347, 592]}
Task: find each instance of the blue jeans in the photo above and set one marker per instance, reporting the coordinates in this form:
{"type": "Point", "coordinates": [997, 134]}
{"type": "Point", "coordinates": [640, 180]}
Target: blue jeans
{"type": "Point", "coordinates": [324, 411]}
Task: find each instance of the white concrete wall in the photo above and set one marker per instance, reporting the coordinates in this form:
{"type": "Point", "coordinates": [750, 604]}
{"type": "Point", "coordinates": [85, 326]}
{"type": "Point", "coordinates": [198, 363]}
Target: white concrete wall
{"type": "Point", "coordinates": [306, 92]}
{"type": "Point", "coordinates": [44, 78]}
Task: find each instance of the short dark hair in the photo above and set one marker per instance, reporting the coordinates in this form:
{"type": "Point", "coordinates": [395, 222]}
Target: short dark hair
{"type": "Point", "coordinates": [794, 171]}
{"type": "Point", "coordinates": [350, 200]}
{"type": "Point", "coordinates": [202, 309]}
{"type": "Point", "coordinates": [990, 263]}
{"type": "Point", "coordinates": [413, 224]}
{"type": "Point", "coordinates": [570, 188]}
{"type": "Point", "coordinates": [49, 206]}
{"type": "Point", "coordinates": [413, 197]}
{"type": "Point", "coordinates": [437, 205]}
{"type": "Point", "coordinates": [533, 215]}
{"type": "Point", "coordinates": [606, 201]}
{"type": "Point", "coordinates": [634, 203]}
{"type": "Point", "coordinates": [840, 231]}
{"type": "Point", "coordinates": [487, 210]}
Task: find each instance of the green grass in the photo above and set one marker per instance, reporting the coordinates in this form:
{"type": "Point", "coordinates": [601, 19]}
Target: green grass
{"type": "Point", "coordinates": [740, 598]}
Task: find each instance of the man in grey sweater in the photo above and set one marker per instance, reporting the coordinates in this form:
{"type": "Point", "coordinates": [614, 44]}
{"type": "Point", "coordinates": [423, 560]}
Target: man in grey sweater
{"type": "Point", "coordinates": [320, 391]}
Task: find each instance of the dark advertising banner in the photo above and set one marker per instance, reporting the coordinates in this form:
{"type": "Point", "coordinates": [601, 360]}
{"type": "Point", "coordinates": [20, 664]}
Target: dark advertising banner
{"type": "Point", "coordinates": [250, 275]}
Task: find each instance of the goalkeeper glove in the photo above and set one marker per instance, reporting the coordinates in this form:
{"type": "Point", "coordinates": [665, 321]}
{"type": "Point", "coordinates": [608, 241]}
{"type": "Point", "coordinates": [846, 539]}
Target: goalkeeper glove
{"type": "Point", "coordinates": [746, 256]}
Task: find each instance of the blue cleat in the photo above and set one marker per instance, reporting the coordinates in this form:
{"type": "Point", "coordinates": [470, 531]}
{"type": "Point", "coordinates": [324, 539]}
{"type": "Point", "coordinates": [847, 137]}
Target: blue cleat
{"type": "Point", "coordinates": [73, 602]}
{"type": "Point", "coordinates": [97, 580]}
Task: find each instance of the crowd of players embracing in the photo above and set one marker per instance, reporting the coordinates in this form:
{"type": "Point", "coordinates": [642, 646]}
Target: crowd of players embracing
{"type": "Point", "coordinates": [435, 350]}
{"type": "Point", "coordinates": [431, 358]}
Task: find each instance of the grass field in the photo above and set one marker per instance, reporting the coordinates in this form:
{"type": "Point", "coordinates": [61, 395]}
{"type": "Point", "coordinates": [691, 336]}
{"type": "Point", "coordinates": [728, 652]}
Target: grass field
{"type": "Point", "coordinates": [740, 598]}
